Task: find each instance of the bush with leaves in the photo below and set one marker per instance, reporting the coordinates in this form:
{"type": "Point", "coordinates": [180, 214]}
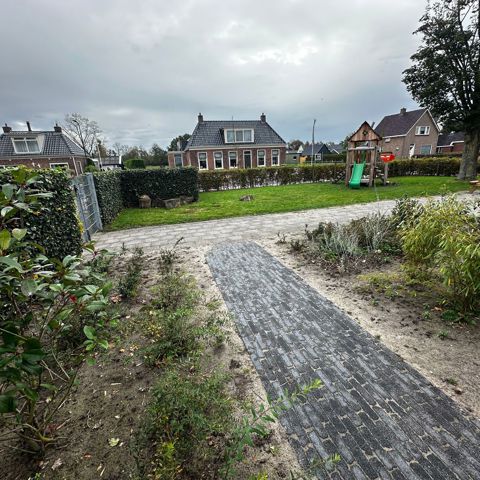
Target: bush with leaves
{"type": "Point", "coordinates": [446, 237]}
{"type": "Point", "coordinates": [38, 298]}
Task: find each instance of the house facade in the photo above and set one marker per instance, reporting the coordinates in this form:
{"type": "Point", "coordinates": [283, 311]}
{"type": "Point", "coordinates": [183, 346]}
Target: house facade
{"type": "Point", "coordinates": [40, 149]}
{"type": "Point", "coordinates": [319, 149]}
{"type": "Point", "coordinates": [407, 134]}
{"type": "Point", "coordinates": [231, 144]}
{"type": "Point", "coordinates": [453, 142]}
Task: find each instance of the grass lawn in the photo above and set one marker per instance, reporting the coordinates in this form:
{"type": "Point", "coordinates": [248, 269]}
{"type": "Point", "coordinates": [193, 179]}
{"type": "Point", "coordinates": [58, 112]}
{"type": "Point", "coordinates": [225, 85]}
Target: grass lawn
{"type": "Point", "coordinates": [288, 198]}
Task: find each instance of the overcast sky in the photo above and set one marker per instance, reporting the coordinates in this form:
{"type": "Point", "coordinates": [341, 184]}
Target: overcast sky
{"type": "Point", "coordinates": [144, 69]}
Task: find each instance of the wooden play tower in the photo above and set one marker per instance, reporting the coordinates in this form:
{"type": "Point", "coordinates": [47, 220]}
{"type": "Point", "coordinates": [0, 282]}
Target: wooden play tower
{"type": "Point", "coordinates": [363, 158]}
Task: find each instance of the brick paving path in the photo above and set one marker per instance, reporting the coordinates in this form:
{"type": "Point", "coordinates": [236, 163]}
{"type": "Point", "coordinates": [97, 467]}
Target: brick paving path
{"type": "Point", "coordinates": [241, 228]}
{"type": "Point", "coordinates": [384, 418]}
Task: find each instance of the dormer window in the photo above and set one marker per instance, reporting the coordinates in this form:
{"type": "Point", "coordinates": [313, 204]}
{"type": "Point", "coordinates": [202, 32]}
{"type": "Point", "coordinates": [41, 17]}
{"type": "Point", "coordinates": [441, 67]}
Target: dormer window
{"type": "Point", "coordinates": [26, 145]}
{"type": "Point", "coordinates": [423, 130]}
{"type": "Point", "coordinates": [238, 135]}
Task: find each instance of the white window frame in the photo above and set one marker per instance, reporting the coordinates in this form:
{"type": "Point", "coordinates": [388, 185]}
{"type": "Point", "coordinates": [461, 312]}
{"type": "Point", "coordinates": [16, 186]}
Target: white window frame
{"type": "Point", "coordinates": [175, 156]}
{"type": "Point", "coordinates": [429, 152]}
{"type": "Point", "coordinates": [276, 155]}
{"type": "Point", "coordinates": [251, 158]}
{"type": "Point", "coordinates": [387, 139]}
{"type": "Point", "coordinates": [230, 160]}
{"type": "Point", "coordinates": [215, 160]}
{"type": "Point", "coordinates": [264, 158]}
{"type": "Point", "coordinates": [235, 130]}
{"type": "Point", "coordinates": [206, 160]}
{"type": "Point", "coordinates": [59, 164]}
{"type": "Point", "coordinates": [419, 130]}
{"type": "Point", "coordinates": [24, 139]}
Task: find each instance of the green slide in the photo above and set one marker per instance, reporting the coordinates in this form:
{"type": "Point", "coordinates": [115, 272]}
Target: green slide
{"type": "Point", "coordinates": [356, 175]}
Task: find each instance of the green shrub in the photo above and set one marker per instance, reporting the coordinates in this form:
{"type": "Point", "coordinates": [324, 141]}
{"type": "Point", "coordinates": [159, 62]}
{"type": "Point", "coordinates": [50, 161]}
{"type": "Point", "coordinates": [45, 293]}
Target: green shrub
{"type": "Point", "coordinates": [257, 177]}
{"type": "Point", "coordinates": [56, 228]}
{"type": "Point", "coordinates": [446, 237]}
{"type": "Point", "coordinates": [108, 186]}
{"type": "Point", "coordinates": [40, 301]}
{"type": "Point", "coordinates": [445, 167]}
{"type": "Point", "coordinates": [188, 410]}
{"type": "Point", "coordinates": [159, 184]}
{"type": "Point", "coordinates": [129, 282]}
{"type": "Point", "coordinates": [135, 163]}
{"type": "Point", "coordinates": [405, 212]}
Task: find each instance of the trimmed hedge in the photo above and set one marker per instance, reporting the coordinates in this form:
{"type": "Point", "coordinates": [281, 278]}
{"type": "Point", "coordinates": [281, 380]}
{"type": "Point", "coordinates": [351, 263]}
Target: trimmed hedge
{"type": "Point", "coordinates": [135, 163]}
{"type": "Point", "coordinates": [334, 157]}
{"type": "Point", "coordinates": [257, 177]}
{"type": "Point", "coordinates": [158, 184]}
{"type": "Point", "coordinates": [444, 167]}
{"type": "Point", "coordinates": [57, 229]}
{"type": "Point", "coordinates": [108, 186]}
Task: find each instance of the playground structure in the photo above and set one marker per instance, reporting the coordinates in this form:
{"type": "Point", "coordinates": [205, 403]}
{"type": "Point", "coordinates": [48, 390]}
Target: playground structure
{"type": "Point", "coordinates": [363, 155]}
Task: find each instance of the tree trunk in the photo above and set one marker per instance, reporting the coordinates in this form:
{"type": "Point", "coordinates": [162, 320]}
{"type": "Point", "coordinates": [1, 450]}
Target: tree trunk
{"type": "Point", "coordinates": [468, 167]}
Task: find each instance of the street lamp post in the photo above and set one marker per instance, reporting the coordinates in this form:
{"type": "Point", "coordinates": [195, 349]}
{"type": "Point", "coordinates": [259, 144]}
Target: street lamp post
{"type": "Point", "coordinates": [313, 140]}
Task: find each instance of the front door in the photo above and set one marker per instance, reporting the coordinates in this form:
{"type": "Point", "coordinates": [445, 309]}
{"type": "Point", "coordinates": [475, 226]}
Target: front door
{"type": "Point", "coordinates": [247, 159]}
{"type": "Point", "coordinates": [411, 150]}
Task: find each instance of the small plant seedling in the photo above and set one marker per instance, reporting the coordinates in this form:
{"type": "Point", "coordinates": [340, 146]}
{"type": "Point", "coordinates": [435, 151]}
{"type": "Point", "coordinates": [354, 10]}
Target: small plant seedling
{"type": "Point", "coordinates": [282, 238]}
{"type": "Point", "coordinates": [451, 381]}
{"type": "Point", "coordinates": [443, 334]}
{"type": "Point", "coordinates": [427, 315]}
{"type": "Point", "coordinates": [450, 316]}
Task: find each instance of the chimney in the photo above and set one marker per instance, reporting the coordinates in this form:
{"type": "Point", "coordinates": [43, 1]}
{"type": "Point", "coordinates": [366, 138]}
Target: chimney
{"type": "Point", "coordinates": [403, 111]}
{"type": "Point", "coordinates": [6, 128]}
{"type": "Point", "coordinates": [57, 128]}
{"type": "Point", "coordinates": [200, 118]}
{"type": "Point", "coordinates": [29, 128]}
{"type": "Point", "coordinates": [263, 118]}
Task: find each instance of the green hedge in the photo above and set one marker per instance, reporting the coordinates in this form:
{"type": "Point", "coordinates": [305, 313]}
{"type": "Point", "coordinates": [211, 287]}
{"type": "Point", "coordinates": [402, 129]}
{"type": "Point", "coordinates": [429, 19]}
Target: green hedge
{"type": "Point", "coordinates": [334, 157]}
{"type": "Point", "coordinates": [135, 163]}
{"type": "Point", "coordinates": [445, 167]}
{"type": "Point", "coordinates": [108, 186]}
{"type": "Point", "coordinates": [257, 177]}
{"type": "Point", "coordinates": [158, 184]}
{"type": "Point", "coordinates": [57, 229]}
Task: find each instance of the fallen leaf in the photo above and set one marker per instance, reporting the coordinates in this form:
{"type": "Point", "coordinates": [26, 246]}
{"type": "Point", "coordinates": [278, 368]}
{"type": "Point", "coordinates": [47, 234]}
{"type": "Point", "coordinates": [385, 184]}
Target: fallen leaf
{"type": "Point", "coordinates": [57, 464]}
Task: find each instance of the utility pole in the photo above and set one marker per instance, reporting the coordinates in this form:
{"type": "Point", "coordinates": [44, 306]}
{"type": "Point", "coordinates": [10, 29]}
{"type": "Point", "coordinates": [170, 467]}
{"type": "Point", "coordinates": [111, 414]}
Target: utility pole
{"type": "Point", "coordinates": [313, 140]}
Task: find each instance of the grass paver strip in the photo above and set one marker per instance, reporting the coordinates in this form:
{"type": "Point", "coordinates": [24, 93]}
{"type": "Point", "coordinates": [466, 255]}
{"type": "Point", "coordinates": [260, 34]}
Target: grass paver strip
{"type": "Point", "coordinates": [382, 416]}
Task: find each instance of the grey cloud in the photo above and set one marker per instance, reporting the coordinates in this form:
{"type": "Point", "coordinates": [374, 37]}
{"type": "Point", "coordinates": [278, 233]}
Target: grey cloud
{"type": "Point", "coordinates": [143, 70]}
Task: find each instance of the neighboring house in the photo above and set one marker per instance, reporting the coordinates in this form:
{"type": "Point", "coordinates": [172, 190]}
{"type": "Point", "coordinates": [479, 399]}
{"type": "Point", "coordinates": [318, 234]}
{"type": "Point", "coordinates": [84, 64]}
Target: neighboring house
{"type": "Point", "coordinates": [452, 142]}
{"type": "Point", "coordinates": [40, 149]}
{"type": "Point", "coordinates": [337, 148]}
{"type": "Point", "coordinates": [293, 157]}
{"type": "Point", "coordinates": [111, 162]}
{"type": "Point", "coordinates": [319, 149]}
{"type": "Point", "coordinates": [406, 134]}
{"type": "Point", "coordinates": [226, 144]}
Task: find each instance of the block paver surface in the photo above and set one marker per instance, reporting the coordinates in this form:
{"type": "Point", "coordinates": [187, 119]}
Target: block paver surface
{"type": "Point", "coordinates": [382, 416]}
{"type": "Point", "coordinates": [240, 228]}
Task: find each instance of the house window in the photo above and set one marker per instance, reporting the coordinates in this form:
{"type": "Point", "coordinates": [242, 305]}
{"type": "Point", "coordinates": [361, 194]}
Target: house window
{"type": "Point", "coordinates": [387, 140]}
{"type": "Point", "coordinates": [425, 150]}
{"type": "Point", "coordinates": [202, 161]}
{"type": "Point", "coordinates": [232, 159]}
{"type": "Point", "coordinates": [218, 156]}
{"type": "Point", "coordinates": [177, 158]}
{"type": "Point", "coordinates": [275, 157]}
{"type": "Point", "coordinates": [261, 158]}
{"type": "Point", "coordinates": [26, 145]}
{"type": "Point", "coordinates": [238, 135]}
{"type": "Point", "coordinates": [63, 166]}
{"type": "Point", "coordinates": [423, 130]}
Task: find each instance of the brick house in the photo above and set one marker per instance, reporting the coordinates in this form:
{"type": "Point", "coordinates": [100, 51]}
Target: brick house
{"type": "Point", "coordinates": [228, 144]}
{"type": "Point", "coordinates": [452, 142]}
{"type": "Point", "coordinates": [407, 134]}
{"type": "Point", "coordinates": [40, 149]}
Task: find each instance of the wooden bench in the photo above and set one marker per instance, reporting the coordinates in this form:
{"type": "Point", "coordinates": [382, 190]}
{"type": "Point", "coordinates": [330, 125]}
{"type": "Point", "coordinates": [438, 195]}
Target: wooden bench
{"type": "Point", "coordinates": [474, 184]}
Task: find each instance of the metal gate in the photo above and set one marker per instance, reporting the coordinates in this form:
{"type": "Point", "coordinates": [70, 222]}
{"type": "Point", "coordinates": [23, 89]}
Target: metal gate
{"type": "Point", "coordinates": [87, 205]}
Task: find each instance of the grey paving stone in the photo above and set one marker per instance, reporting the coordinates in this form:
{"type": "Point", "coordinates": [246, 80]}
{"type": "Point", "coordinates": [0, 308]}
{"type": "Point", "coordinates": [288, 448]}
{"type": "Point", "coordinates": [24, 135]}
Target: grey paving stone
{"type": "Point", "coordinates": [240, 228]}
{"type": "Point", "coordinates": [384, 418]}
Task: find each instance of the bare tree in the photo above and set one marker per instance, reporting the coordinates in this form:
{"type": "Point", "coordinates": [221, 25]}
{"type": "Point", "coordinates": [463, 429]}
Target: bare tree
{"type": "Point", "coordinates": [84, 131]}
{"type": "Point", "coordinates": [120, 149]}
